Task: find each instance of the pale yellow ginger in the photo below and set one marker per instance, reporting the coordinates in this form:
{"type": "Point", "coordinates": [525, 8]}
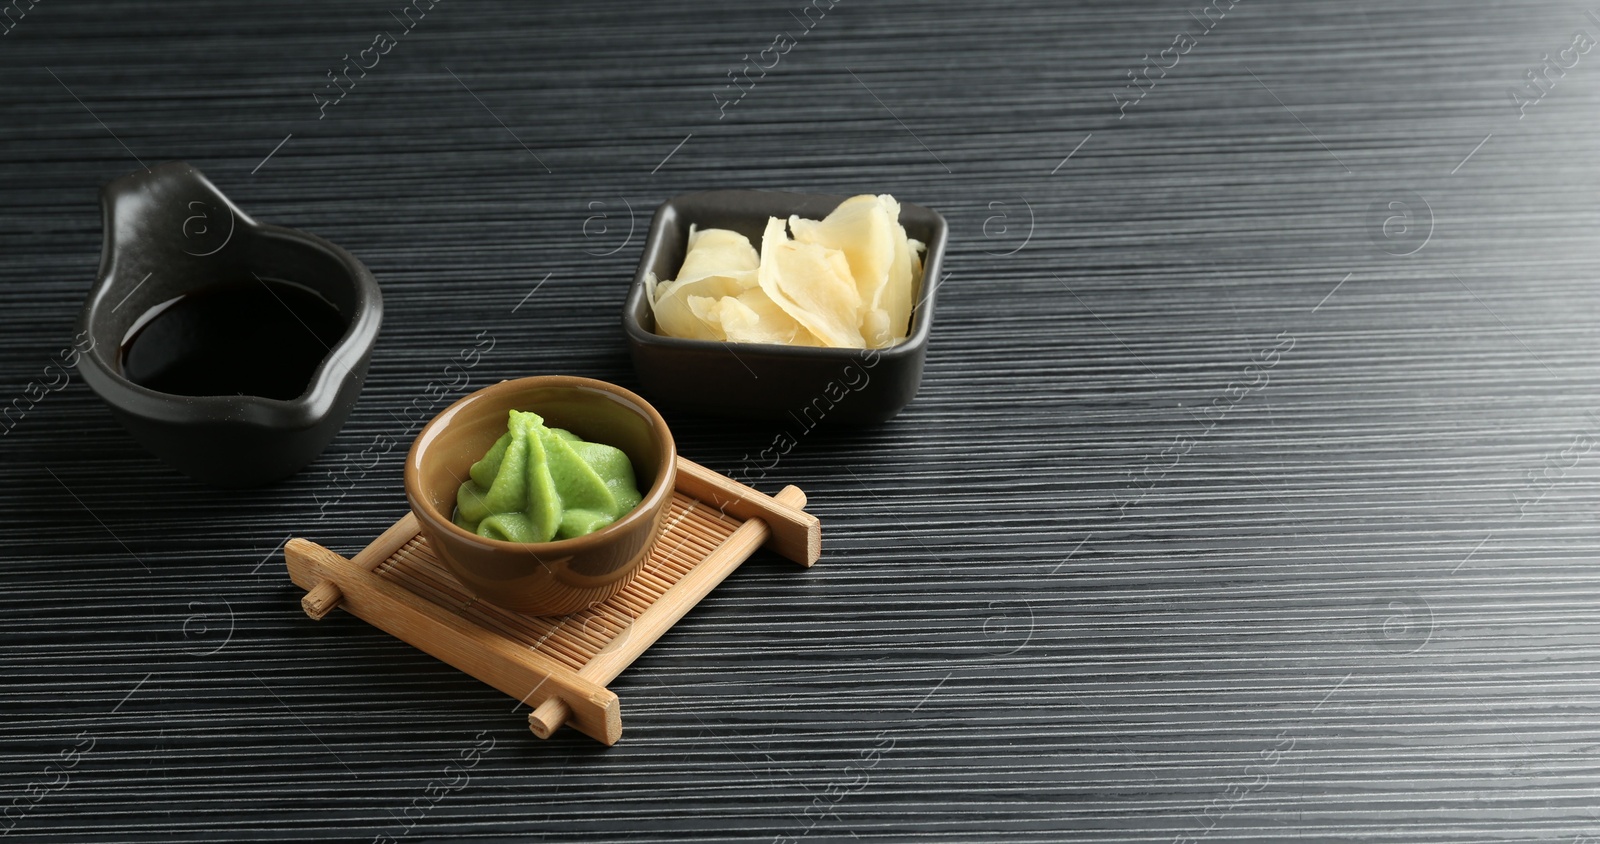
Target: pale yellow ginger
{"type": "Point", "coordinates": [845, 281]}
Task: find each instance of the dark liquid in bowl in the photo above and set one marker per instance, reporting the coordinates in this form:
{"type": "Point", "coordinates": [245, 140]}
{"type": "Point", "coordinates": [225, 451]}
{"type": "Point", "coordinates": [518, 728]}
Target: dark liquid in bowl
{"type": "Point", "coordinates": [254, 337]}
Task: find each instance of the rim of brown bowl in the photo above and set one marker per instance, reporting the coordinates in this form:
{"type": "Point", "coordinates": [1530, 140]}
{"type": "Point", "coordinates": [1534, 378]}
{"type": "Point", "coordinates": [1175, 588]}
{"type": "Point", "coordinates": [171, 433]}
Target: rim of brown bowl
{"type": "Point", "coordinates": [647, 505]}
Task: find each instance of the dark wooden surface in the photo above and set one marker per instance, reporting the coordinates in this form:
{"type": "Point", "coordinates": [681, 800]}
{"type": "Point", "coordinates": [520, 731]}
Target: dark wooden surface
{"type": "Point", "coordinates": [1057, 602]}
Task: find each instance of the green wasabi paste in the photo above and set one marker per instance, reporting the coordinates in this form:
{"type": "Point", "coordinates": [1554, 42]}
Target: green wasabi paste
{"type": "Point", "coordinates": [538, 484]}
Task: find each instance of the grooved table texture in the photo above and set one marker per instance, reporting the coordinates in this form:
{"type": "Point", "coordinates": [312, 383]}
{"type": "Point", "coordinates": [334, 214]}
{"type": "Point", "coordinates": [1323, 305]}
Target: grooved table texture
{"type": "Point", "coordinates": [1250, 494]}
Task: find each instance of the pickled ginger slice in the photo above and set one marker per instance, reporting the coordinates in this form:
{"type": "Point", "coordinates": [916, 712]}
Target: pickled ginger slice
{"type": "Point", "coordinates": [707, 314]}
{"type": "Point", "coordinates": [718, 263]}
{"type": "Point", "coordinates": [900, 287]}
{"type": "Point", "coordinates": [864, 229]}
{"type": "Point", "coordinates": [716, 251]}
{"type": "Point", "coordinates": [812, 284]}
{"type": "Point", "coordinates": [675, 318]}
{"type": "Point", "coordinates": [752, 317]}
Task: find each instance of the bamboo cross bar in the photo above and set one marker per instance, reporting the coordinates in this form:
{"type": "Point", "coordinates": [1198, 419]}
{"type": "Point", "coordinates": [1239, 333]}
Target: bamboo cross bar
{"type": "Point", "coordinates": [559, 666]}
{"type": "Point", "coordinates": [796, 534]}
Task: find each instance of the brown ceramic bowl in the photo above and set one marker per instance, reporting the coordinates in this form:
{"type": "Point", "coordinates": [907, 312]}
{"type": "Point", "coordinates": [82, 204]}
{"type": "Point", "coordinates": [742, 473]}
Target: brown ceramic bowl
{"type": "Point", "coordinates": [542, 578]}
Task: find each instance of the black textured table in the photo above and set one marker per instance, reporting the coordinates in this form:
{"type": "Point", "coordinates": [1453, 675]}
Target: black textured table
{"type": "Point", "coordinates": [1250, 493]}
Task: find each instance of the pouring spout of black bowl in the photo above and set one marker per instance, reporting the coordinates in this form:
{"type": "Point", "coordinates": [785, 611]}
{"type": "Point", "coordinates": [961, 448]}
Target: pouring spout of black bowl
{"type": "Point", "coordinates": [172, 238]}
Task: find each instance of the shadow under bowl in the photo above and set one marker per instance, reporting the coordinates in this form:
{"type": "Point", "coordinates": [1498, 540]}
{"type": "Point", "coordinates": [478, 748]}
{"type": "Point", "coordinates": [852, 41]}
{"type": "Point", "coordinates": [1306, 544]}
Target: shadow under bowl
{"type": "Point", "coordinates": [543, 578]}
{"type": "Point", "coordinates": [766, 381]}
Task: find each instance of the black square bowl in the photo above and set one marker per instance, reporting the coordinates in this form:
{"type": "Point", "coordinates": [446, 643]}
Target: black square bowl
{"type": "Point", "coordinates": [766, 381]}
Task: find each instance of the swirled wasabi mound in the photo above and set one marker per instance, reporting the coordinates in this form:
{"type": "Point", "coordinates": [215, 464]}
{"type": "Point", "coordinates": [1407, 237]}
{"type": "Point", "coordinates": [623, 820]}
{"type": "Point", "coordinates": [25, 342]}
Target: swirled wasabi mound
{"type": "Point", "coordinates": [538, 484]}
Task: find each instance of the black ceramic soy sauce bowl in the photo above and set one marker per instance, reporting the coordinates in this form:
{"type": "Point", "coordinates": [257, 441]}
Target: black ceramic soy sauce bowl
{"type": "Point", "coordinates": [762, 381]}
{"type": "Point", "coordinates": [170, 233]}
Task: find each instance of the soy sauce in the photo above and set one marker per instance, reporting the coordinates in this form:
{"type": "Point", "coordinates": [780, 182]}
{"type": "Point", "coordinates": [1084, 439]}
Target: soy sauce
{"type": "Point", "coordinates": [250, 337]}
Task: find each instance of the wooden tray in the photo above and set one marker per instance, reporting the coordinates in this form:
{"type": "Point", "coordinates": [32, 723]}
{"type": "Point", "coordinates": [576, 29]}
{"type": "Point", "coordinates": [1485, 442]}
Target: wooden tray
{"type": "Point", "coordinates": [559, 666]}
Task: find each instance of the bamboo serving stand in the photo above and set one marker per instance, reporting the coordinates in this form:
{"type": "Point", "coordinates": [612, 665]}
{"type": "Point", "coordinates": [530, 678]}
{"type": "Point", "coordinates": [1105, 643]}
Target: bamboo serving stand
{"type": "Point", "coordinates": [559, 666]}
